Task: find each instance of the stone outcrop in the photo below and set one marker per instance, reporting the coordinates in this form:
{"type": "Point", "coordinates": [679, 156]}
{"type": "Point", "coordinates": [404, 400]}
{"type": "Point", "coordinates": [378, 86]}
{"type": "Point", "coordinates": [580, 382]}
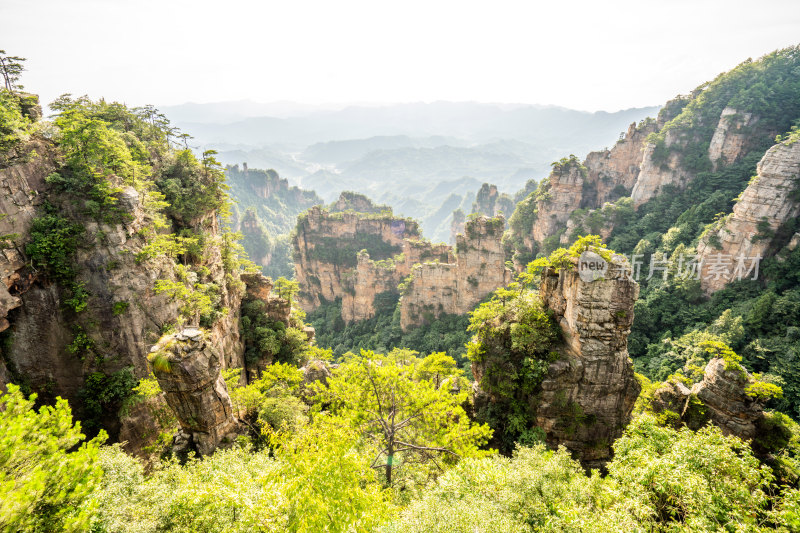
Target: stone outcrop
{"type": "Point", "coordinates": [561, 194]}
{"type": "Point", "coordinates": [604, 176]}
{"type": "Point", "coordinates": [356, 256]}
{"type": "Point", "coordinates": [730, 137]}
{"type": "Point", "coordinates": [722, 391]}
{"type": "Point", "coordinates": [326, 246]}
{"type": "Point", "coordinates": [260, 251]}
{"type": "Point", "coordinates": [359, 203]}
{"type": "Point", "coordinates": [457, 225]}
{"type": "Point", "coordinates": [613, 173]}
{"type": "Point", "coordinates": [719, 398]}
{"type": "Point", "coordinates": [489, 202]}
{"type": "Point", "coordinates": [52, 348]}
{"type": "Point", "coordinates": [768, 202]}
{"type": "Point", "coordinates": [187, 366]}
{"type": "Point", "coordinates": [20, 185]}
{"type": "Point", "coordinates": [655, 174]}
{"type": "Point", "coordinates": [438, 288]}
{"type": "Point", "coordinates": [589, 392]}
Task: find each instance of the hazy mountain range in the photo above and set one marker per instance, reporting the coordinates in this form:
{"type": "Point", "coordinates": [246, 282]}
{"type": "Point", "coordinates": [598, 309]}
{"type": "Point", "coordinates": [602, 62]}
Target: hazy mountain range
{"type": "Point", "coordinates": [413, 157]}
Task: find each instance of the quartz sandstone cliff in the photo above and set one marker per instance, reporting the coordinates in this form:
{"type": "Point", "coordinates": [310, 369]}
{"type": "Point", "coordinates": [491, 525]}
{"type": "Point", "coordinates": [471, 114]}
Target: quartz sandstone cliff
{"type": "Point", "coordinates": [719, 398]}
{"type": "Point", "coordinates": [437, 288]}
{"type": "Point", "coordinates": [589, 392]}
{"type": "Point", "coordinates": [769, 202]}
{"type": "Point", "coordinates": [123, 316]}
{"type": "Point", "coordinates": [20, 184]}
{"type": "Point", "coordinates": [356, 256]}
{"type": "Point", "coordinates": [636, 167]}
{"type": "Point", "coordinates": [188, 371]}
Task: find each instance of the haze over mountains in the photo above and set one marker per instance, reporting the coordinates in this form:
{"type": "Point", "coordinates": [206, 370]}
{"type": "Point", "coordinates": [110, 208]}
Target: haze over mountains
{"type": "Point", "coordinates": [416, 157]}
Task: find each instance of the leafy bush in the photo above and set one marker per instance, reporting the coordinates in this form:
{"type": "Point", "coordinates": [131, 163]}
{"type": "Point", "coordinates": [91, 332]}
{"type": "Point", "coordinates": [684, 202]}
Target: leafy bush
{"type": "Point", "coordinates": [514, 337]}
{"type": "Point", "coordinates": [47, 474]}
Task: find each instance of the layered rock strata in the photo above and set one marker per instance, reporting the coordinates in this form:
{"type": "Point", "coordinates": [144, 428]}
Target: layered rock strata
{"type": "Point", "coordinates": [589, 392]}
{"type": "Point", "coordinates": [437, 288]}
{"type": "Point", "coordinates": [20, 185]}
{"type": "Point", "coordinates": [355, 256]}
{"type": "Point", "coordinates": [720, 398]}
{"type": "Point", "coordinates": [733, 248]}
{"type": "Point", "coordinates": [187, 366]}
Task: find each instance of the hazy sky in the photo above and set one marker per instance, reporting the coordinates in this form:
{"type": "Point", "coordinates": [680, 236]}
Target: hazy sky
{"type": "Point", "coordinates": [582, 54]}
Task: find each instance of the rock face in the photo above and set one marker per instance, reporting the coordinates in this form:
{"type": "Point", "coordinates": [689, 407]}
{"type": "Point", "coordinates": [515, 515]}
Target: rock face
{"type": "Point", "coordinates": [722, 391]}
{"type": "Point", "coordinates": [326, 247]}
{"type": "Point", "coordinates": [456, 287]}
{"type": "Point", "coordinates": [20, 185]}
{"type": "Point", "coordinates": [489, 202]}
{"type": "Point", "coordinates": [252, 229]}
{"type": "Point", "coordinates": [613, 173]}
{"type": "Point", "coordinates": [562, 194]}
{"type": "Point", "coordinates": [655, 174]}
{"type": "Point", "coordinates": [53, 348]}
{"type": "Point", "coordinates": [187, 366]}
{"type": "Point", "coordinates": [720, 398]}
{"type": "Point", "coordinates": [589, 392]}
{"type": "Point", "coordinates": [357, 256]}
{"type": "Point", "coordinates": [457, 225]}
{"type": "Point", "coordinates": [730, 137]}
{"type": "Point", "coordinates": [604, 176]}
{"type": "Point", "coordinates": [768, 202]}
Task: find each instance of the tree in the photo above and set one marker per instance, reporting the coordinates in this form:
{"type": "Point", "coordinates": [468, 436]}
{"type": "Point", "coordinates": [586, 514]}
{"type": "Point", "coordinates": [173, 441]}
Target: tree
{"type": "Point", "coordinates": [437, 367]}
{"type": "Point", "coordinates": [11, 67]}
{"type": "Point", "coordinates": [45, 478]}
{"type": "Point", "coordinates": [286, 288]}
{"type": "Point", "coordinates": [407, 421]}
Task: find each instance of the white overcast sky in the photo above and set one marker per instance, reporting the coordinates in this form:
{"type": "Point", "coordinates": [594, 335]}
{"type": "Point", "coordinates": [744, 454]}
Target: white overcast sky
{"type": "Point", "coordinates": [588, 55]}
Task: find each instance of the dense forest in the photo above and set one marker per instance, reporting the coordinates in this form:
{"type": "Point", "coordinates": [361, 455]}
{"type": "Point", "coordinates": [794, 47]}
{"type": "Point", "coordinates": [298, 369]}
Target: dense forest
{"type": "Point", "coordinates": [176, 388]}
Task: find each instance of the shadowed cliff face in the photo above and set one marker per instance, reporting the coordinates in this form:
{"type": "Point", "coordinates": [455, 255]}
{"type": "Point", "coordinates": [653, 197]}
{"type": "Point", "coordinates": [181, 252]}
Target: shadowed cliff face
{"type": "Point", "coordinates": [589, 392]}
{"type": "Point", "coordinates": [90, 348]}
{"type": "Point", "coordinates": [124, 314]}
{"type": "Point", "coordinates": [21, 184]}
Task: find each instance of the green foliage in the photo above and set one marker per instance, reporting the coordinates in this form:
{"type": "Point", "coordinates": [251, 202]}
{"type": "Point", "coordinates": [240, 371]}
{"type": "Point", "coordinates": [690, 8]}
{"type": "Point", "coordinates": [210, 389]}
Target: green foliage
{"type": "Point", "coordinates": [54, 241]}
{"type": "Point", "coordinates": [99, 148]}
{"type": "Point", "coordinates": [413, 426]}
{"type": "Point", "coordinates": [344, 253]}
{"type": "Point", "coordinates": [286, 289]}
{"type": "Point", "coordinates": [701, 481]}
{"type": "Point", "coordinates": [513, 343]}
{"type": "Point", "coordinates": [192, 188]}
{"type": "Point", "coordinates": [103, 395]}
{"type": "Point", "coordinates": [11, 68]}
{"type": "Point", "coordinates": [536, 490]}
{"type": "Point", "coordinates": [314, 482]}
{"type": "Point", "coordinates": [763, 391]}
{"type": "Point", "coordinates": [47, 475]}
{"type": "Point", "coordinates": [381, 333]}
{"type": "Point", "coordinates": [271, 404]}
{"type": "Point", "coordinates": [268, 201]}
{"type": "Point", "coordinates": [267, 339]}
{"type": "Point", "coordinates": [199, 301]}
{"type": "Point", "coordinates": [660, 479]}
{"type": "Point", "coordinates": [13, 125]}
{"type": "Point", "coordinates": [119, 308]}
{"type": "Point", "coordinates": [565, 258]}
